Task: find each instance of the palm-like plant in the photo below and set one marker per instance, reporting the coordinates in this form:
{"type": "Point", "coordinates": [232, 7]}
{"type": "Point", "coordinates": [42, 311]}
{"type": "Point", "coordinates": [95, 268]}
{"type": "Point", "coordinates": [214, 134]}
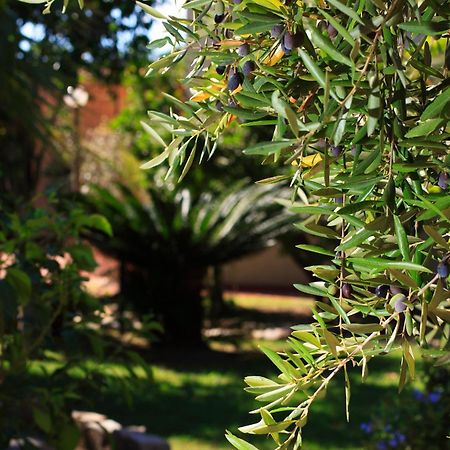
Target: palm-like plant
{"type": "Point", "coordinates": [166, 244]}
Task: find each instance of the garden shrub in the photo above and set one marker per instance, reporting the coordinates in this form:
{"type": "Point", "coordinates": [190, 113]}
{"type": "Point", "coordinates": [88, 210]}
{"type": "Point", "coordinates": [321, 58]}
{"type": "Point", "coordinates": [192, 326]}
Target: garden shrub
{"type": "Point", "coordinates": [399, 423]}
{"type": "Point", "coordinates": [169, 227]}
{"type": "Point", "coordinates": [47, 315]}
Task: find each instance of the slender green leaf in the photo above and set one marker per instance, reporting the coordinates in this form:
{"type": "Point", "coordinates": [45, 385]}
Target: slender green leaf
{"type": "Point", "coordinates": [152, 11]}
{"type": "Point", "coordinates": [346, 10]}
{"type": "Point", "coordinates": [382, 264]}
{"type": "Point", "coordinates": [268, 148]}
{"type": "Point", "coordinates": [402, 238]}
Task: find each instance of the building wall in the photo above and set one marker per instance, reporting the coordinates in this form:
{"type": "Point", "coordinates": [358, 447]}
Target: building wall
{"type": "Point", "coordinates": [268, 270]}
{"type": "Point", "coordinates": [105, 103]}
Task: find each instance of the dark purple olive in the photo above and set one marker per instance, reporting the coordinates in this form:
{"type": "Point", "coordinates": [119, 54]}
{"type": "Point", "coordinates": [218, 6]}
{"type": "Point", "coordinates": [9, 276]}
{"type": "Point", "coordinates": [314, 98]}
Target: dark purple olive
{"type": "Point", "coordinates": [221, 69]}
{"type": "Point", "coordinates": [276, 31]}
{"type": "Point", "coordinates": [336, 150]}
{"type": "Point", "coordinates": [443, 180]}
{"type": "Point", "coordinates": [285, 50]}
{"type": "Point", "coordinates": [381, 290]}
{"type": "Point", "coordinates": [248, 68]}
{"type": "Point", "coordinates": [346, 290]}
{"type": "Point", "coordinates": [289, 41]}
{"type": "Point", "coordinates": [234, 81]}
{"type": "Point", "coordinates": [332, 32]}
{"type": "Point", "coordinates": [219, 105]}
{"type": "Point", "coordinates": [395, 290]}
{"type": "Point", "coordinates": [243, 50]}
{"type": "Point", "coordinates": [338, 200]}
{"type": "Point", "coordinates": [219, 18]}
{"type": "Point", "coordinates": [400, 305]}
{"type": "Point", "coordinates": [442, 270]}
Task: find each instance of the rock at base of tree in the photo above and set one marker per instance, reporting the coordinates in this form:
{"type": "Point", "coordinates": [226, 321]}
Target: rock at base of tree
{"type": "Point", "coordinates": [18, 444]}
{"type": "Point", "coordinates": [97, 432]}
{"type": "Point", "coordinates": [133, 440]}
{"type": "Point", "coordinates": [100, 433]}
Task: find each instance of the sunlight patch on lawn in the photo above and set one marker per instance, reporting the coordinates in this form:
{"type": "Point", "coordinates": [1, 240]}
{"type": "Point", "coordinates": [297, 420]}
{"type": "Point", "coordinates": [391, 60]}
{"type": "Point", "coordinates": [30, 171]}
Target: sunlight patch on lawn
{"type": "Point", "coordinates": [272, 303]}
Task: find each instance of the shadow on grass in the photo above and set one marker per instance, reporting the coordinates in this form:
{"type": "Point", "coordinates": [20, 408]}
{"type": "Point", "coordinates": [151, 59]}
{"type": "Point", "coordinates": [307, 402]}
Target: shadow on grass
{"type": "Point", "coordinates": [200, 394]}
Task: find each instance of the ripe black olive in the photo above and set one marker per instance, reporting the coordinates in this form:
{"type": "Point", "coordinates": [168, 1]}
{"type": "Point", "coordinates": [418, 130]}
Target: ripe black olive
{"type": "Point", "coordinates": [346, 290]}
{"type": "Point", "coordinates": [248, 68]}
{"type": "Point", "coordinates": [234, 81]}
{"type": "Point", "coordinates": [381, 290]}
{"type": "Point", "coordinates": [219, 18]}
{"type": "Point", "coordinates": [243, 50]}
{"type": "Point", "coordinates": [276, 31]}
{"type": "Point", "coordinates": [221, 69]}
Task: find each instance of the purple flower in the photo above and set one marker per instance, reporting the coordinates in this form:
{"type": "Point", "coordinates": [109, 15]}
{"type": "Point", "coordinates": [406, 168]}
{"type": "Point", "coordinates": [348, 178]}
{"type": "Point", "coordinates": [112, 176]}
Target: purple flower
{"type": "Point", "coordinates": [381, 445]}
{"type": "Point", "coordinates": [418, 395]}
{"type": "Point", "coordinates": [393, 442]}
{"type": "Point", "coordinates": [366, 427]}
{"type": "Point", "coordinates": [400, 437]}
{"type": "Point", "coordinates": [434, 397]}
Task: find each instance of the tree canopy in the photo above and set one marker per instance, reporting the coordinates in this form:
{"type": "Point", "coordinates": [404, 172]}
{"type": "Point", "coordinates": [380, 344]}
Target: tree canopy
{"type": "Point", "coordinates": [356, 94]}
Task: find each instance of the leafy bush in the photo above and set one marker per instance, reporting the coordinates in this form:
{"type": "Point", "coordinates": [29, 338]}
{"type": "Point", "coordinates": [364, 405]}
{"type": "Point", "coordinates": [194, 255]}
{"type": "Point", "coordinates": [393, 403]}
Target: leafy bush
{"type": "Point", "coordinates": [46, 314]}
{"type": "Point", "coordinates": [400, 423]}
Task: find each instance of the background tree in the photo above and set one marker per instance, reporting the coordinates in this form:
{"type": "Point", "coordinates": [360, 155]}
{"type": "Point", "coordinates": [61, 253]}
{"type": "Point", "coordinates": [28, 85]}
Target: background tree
{"type": "Point", "coordinates": [42, 55]}
{"type": "Point", "coordinates": [167, 241]}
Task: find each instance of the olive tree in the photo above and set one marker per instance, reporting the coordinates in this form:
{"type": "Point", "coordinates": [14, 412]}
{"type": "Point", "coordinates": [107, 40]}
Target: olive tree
{"type": "Point", "coordinates": [357, 95]}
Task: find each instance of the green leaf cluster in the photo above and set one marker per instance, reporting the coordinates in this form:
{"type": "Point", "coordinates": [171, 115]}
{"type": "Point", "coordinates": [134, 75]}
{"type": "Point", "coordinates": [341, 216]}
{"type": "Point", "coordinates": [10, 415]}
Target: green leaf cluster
{"type": "Point", "coordinates": [357, 97]}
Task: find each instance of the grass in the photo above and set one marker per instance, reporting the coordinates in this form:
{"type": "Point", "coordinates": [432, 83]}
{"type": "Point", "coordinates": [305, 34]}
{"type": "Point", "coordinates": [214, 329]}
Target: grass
{"type": "Point", "coordinates": [195, 396]}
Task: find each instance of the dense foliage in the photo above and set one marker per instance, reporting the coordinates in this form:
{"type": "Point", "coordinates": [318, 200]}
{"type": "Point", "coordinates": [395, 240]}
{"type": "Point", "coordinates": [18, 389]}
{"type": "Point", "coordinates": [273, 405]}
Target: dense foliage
{"type": "Point", "coordinates": [356, 94]}
{"type": "Point", "coordinates": [44, 309]}
{"type": "Point", "coordinates": [41, 55]}
{"type": "Point", "coordinates": [399, 423]}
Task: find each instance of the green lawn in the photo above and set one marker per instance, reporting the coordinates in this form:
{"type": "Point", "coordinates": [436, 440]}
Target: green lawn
{"type": "Point", "coordinates": [195, 396]}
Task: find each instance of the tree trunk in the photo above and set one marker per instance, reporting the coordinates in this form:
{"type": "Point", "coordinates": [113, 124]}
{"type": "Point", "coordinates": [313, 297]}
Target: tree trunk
{"type": "Point", "coordinates": [182, 311]}
{"type": "Point", "coordinates": [174, 299]}
{"type": "Point", "coordinates": [216, 293]}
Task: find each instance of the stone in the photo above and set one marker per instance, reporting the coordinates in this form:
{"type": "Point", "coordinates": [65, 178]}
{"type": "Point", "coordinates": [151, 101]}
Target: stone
{"type": "Point", "coordinates": [18, 444]}
{"type": "Point", "coordinates": [96, 430]}
{"type": "Point", "coordinates": [110, 425]}
{"type": "Point", "coordinates": [87, 416]}
{"type": "Point", "coordinates": [95, 437]}
{"type": "Point", "coordinates": [134, 440]}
